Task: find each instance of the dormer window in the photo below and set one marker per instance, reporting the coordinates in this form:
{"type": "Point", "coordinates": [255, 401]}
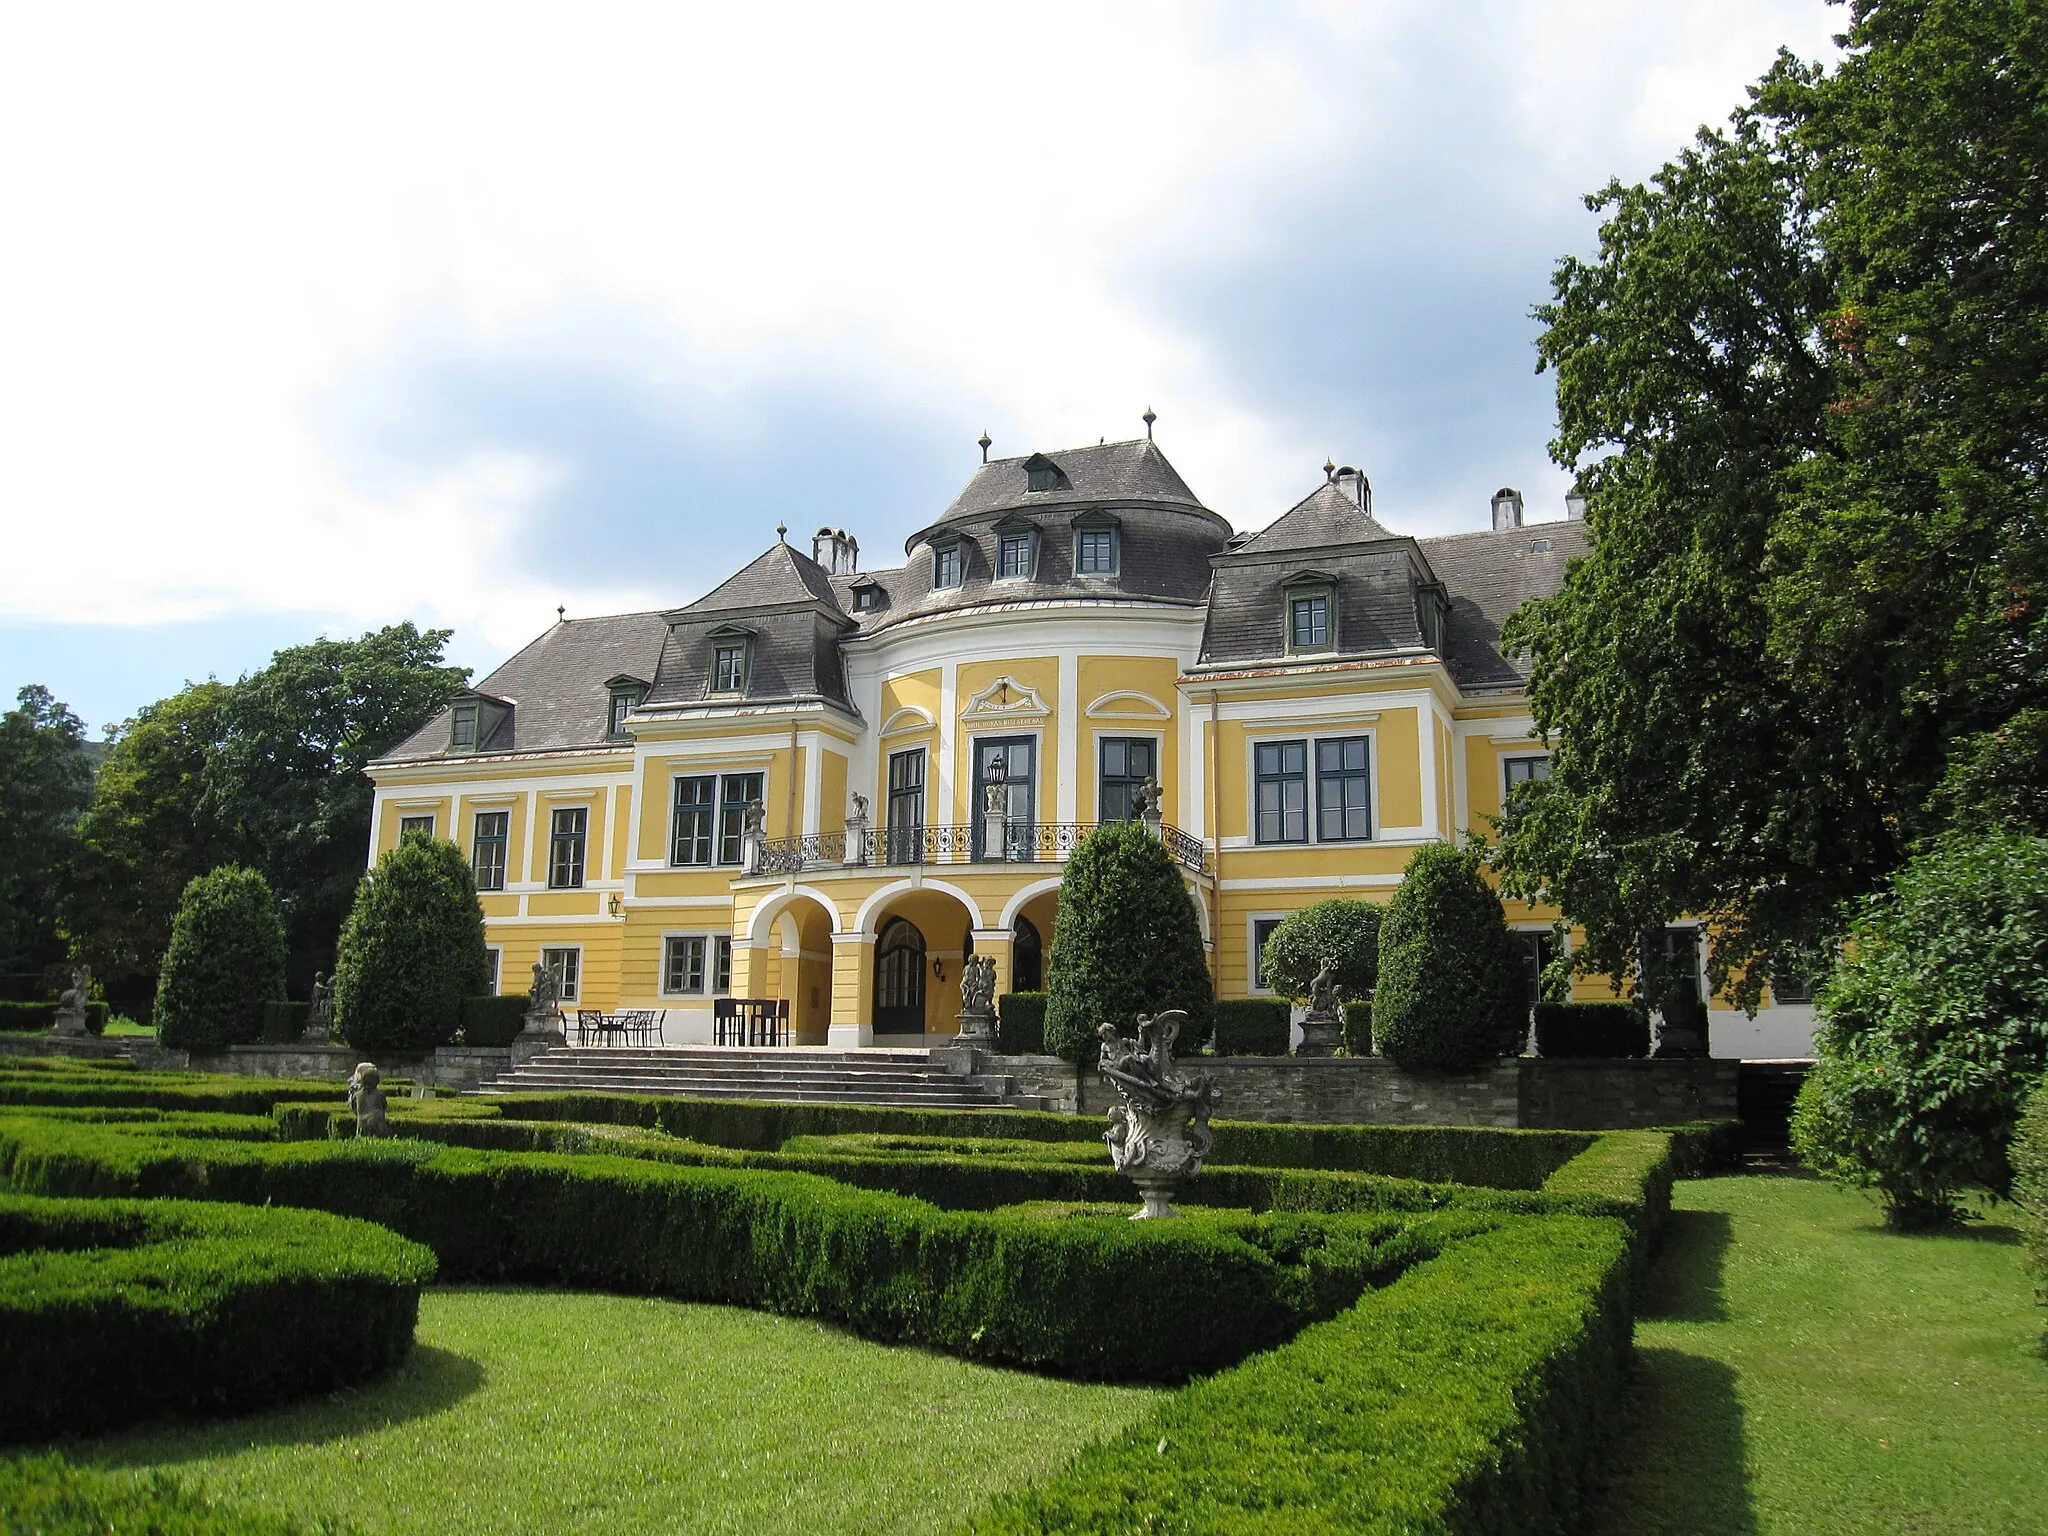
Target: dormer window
{"type": "Point", "coordinates": [948, 565]}
{"type": "Point", "coordinates": [1041, 474]}
{"type": "Point", "coordinates": [1308, 622]}
{"type": "Point", "coordinates": [732, 653]}
{"type": "Point", "coordinates": [867, 598]}
{"type": "Point", "coordinates": [462, 729]}
{"type": "Point", "coordinates": [1310, 615]}
{"type": "Point", "coordinates": [1016, 549]}
{"type": "Point", "coordinates": [1096, 537]}
{"type": "Point", "coordinates": [1429, 615]}
{"type": "Point", "coordinates": [625, 698]}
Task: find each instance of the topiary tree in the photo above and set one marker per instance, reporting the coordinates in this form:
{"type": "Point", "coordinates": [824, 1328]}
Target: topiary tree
{"type": "Point", "coordinates": [1343, 932]}
{"type": "Point", "coordinates": [1934, 1027]}
{"type": "Point", "coordinates": [1127, 942]}
{"type": "Point", "coordinates": [225, 962]}
{"type": "Point", "coordinates": [1450, 992]}
{"type": "Point", "coordinates": [411, 950]}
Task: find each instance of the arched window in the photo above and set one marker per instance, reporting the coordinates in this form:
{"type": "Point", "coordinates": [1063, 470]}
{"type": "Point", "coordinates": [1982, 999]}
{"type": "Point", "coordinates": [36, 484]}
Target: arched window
{"type": "Point", "coordinates": [899, 979]}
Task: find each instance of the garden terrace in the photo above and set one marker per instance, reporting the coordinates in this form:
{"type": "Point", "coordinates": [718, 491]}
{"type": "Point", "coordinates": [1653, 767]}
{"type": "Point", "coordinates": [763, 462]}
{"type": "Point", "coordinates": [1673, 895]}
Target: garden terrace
{"type": "Point", "coordinates": [1324, 1259]}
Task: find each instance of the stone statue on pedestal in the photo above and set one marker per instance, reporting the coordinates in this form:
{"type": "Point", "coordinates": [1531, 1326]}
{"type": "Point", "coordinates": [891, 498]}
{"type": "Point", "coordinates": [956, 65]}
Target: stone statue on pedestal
{"type": "Point", "coordinates": [543, 1003]}
{"type": "Point", "coordinates": [1322, 1030]}
{"type": "Point", "coordinates": [366, 1101]}
{"type": "Point", "coordinates": [320, 1015]}
{"type": "Point", "coordinates": [1160, 1133]}
{"type": "Point", "coordinates": [977, 1000]}
{"type": "Point", "coordinates": [71, 1003]}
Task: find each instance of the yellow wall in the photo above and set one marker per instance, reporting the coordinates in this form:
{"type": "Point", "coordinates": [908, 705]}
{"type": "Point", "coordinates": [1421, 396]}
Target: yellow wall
{"type": "Point", "coordinates": [1039, 673]}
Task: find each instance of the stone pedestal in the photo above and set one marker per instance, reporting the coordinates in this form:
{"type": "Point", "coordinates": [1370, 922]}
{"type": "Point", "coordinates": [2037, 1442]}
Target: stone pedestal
{"type": "Point", "coordinates": [70, 1024]}
{"type": "Point", "coordinates": [977, 1028]}
{"type": "Point", "coordinates": [855, 854]}
{"type": "Point", "coordinates": [1320, 1036]}
{"type": "Point", "coordinates": [995, 836]}
{"type": "Point", "coordinates": [1154, 825]}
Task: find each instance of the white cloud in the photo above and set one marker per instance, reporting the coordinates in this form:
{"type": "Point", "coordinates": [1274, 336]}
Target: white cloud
{"type": "Point", "coordinates": [218, 214]}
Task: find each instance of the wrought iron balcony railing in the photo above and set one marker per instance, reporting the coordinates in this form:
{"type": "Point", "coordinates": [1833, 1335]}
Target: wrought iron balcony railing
{"type": "Point", "coordinates": [900, 847]}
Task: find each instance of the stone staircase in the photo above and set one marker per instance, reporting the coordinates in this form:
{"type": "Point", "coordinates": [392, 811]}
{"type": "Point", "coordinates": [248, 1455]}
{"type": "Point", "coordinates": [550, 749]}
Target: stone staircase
{"type": "Point", "coordinates": [791, 1075]}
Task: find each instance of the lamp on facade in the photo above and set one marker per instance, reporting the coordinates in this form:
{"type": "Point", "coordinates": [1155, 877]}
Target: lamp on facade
{"type": "Point", "coordinates": [612, 904]}
{"type": "Point", "coordinates": [938, 968]}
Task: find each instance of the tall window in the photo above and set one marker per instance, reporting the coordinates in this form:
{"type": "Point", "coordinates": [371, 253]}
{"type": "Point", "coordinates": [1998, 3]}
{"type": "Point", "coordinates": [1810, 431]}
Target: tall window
{"type": "Point", "coordinates": [487, 851]}
{"type": "Point", "coordinates": [1280, 771]}
{"type": "Point", "coordinates": [1535, 951]}
{"type": "Point", "coordinates": [905, 827]}
{"type": "Point", "coordinates": [721, 962]}
{"type": "Point", "coordinates": [565, 847]}
{"type": "Point", "coordinates": [492, 958]}
{"type": "Point", "coordinates": [1095, 551]}
{"type": "Point", "coordinates": [1262, 930]}
{"type": "Point", "coordinates": [1127, 762]}
{"type": "Point", "coordinates": [729, 669]}
{"type": "Point", "coordinates": [734, 791]}
{"type": "Point", "coordinates": [623, 703]}
{"type": "Point", "coordinates": [682, 964]}
{"type": "Point", "coordinates": [1343, 798]}
{"type": "Point", "coordinates": [1525, 770]}
{"type": "Point", "coordinates": [1013, 555]}
{"type": "Point", "coordinates": [567, 967]}
{"type": "Point", "coordinates": [690, 831]}
{"type": "Point", "coordinates": [415, 826]}
{"type": "Point", "coordinates": [946, 566]}
{"type": "Point", "coordinates": [1308, 623]}
{"type": "Point", "coordinates": [462, 731]}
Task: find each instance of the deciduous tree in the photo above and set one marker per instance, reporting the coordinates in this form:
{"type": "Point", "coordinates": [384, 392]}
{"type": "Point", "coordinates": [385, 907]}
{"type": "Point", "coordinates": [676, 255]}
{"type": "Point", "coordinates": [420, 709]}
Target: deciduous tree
{"type": "Point", "coordinates": [45, 783]}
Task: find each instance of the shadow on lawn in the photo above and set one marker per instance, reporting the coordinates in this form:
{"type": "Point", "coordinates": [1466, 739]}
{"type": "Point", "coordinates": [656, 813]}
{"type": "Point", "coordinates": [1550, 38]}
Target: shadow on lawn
{"type": "Point", "coordinates": [1685, 1280]}
{"type": "Point", "coordinates": [430, 1381]}
{"type": "Point", "coordinates": [1678, 1461]}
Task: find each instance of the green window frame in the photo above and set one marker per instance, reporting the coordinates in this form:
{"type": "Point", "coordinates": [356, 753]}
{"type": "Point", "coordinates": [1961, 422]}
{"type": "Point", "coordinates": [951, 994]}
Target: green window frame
{"type": "Point", "coordinates": [1344, 789]}
{"type": "Point", "coordinates": [1123, 762]}
{"type": "Point", "coordinates": [734, 791]}
{"type": "Point", "coordinates": [568, 829]}
{"type": "Point", "coordinates": [490, 840]}
{"type": "Point", "coordinates": [729, 667]}
{"type": "Point", "coordinates": [1014, 556]}
{"type": "Point", "coordinates": [566, 964]}
{"type": "Point", "coordinates": [691, 819]}
{"type": "Point", "coordinates": [682, 965]}
{"type": "Point", "coordinates": [1262, 930]}
{"type": "Point", "coordinates": [1280, 791]}
{"type": "Point", "coordinates": [623, 702]}
{"type": "Point", "coordinates": [1095, 551]}
{"type": "Point", "coordinates": [415, 826]}
{"type": "Point", "coordinates": [462, 726]}
{"type": "Point", "coordinates": [949, 566]}
{"type": "Point", "coordinates": [1308, 622]}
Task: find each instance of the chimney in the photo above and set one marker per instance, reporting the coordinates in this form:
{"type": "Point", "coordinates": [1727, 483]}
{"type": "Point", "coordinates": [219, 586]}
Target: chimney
{"type": "Point", "coordinates": [1575, 502]}
{"type": "Point", "coordinates": [1354, 484]}
{"type": "Point", "coordinates": [1507, 508]}
{"type": "Point", "coordinates": [836, 550]}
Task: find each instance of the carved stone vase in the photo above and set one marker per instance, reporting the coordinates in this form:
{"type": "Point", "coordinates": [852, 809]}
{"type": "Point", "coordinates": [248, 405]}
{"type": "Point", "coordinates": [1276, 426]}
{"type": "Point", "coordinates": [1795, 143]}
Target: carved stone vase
{"type": "Point", "coordinates": [1160, 1133]}
{"type": "Point", "coordinates": [1159, 1152]}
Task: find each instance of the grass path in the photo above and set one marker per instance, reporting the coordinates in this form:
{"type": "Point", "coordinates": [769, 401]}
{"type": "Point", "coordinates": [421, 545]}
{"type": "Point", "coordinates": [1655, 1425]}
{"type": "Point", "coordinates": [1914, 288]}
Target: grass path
{"type": "Point", "coordinates": [551, 1411]}
{"type": "Point", "coordinates": [1803, 1372]}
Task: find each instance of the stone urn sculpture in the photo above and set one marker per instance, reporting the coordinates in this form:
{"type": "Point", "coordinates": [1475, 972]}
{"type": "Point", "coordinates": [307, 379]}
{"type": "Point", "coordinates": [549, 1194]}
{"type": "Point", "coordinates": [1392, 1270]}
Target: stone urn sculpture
{"type": "Point", "coordinates": [1160, 1133]}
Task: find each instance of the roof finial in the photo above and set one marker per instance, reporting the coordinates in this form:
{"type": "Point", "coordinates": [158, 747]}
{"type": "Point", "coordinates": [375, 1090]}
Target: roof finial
{"type": "Point", "coordinates": [985, 441]}
{"type": "Point", "coordinates": [1329, 469]}
{"type": "Point", "coordinates": [560, 613]}
{"type": "Point", "coordinates": [782, 533]}
{"type": "Point", "coordinates": [1150, 417]}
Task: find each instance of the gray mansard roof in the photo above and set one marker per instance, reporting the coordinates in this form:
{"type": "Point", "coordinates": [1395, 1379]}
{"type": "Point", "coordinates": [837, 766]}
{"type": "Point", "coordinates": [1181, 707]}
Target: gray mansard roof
{"type": "Point", "coordinates": [556, 687]}
{"type": "Point", "coordinates": [792, 616]}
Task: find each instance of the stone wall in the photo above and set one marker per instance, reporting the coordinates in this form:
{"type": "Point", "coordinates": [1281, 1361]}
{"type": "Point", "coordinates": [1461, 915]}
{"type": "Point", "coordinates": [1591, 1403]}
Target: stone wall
{"type": "Point", "coordinates": [1526, 1093]}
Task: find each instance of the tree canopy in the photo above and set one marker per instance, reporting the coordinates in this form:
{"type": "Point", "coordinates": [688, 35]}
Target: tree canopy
{"type": "Point", "coordinates": [45, 783]}
{"type": "Point", "coordinates": [1805, 385]}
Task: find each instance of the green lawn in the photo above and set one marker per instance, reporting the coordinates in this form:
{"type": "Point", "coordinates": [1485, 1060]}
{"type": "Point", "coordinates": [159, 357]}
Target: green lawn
{"type": "Point", "coordinates": [552, 1411]}
{"type": "Point", "coordinates": [1804, 1371]}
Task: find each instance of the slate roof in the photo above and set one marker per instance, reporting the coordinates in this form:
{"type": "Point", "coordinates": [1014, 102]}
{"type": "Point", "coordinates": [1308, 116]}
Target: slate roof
{"type": "Point", "coordinates": [1108, 472]}
{"type": "Point", "coordinates": [1327, 515]}
{"type": "Point", "coordinates": [778, 575]}
{"type": "Point", "coordinates": [793, 620]}
{"type": "Point", "coordinates": [1489, 575]}
{"type": "Point", "coordinates": [556, 686]}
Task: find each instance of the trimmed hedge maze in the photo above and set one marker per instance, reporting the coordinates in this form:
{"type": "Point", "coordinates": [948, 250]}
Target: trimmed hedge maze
{"type": "Point", "coordinates": [1384, 1329]}
{"type": "Point", "coordinates": [111, 1309]}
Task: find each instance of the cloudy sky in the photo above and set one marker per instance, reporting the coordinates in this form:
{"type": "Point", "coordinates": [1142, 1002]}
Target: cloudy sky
{"type": "Point", "coordinates": [313, 319]}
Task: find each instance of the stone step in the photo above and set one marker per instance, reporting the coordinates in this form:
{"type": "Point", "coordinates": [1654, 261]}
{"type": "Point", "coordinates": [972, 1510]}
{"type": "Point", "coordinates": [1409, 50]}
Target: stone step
{"type": "Point", "coordinates": [637, 1082]}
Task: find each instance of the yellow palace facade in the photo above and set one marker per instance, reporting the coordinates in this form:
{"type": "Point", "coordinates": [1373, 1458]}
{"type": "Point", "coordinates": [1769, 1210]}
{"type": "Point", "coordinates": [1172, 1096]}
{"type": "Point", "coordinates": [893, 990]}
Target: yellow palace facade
{"type": "Point", "coordinates": [830, 785]}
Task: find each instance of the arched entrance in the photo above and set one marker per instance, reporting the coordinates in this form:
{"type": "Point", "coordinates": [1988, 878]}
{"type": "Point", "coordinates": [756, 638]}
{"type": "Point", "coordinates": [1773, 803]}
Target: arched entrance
{"type": "Point", "coordinates": [1027, 957]}
{"type": "Point", "coordinates": [899, 979]}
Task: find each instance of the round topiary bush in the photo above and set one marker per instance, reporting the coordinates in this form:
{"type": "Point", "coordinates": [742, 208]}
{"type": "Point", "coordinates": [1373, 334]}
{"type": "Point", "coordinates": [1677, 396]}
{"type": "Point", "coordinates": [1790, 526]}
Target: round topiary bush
{"type": "Point", "coordinates": [225, 963]}
{"type": "Point", "coordinates": [1934, 1026]}
{"type": "Point", "coordinates": [411, 951]}
{"type": "Point", "coordinates": [1127, 942]}
{"type": "Point", "coordinates": [1341, 932]}
{"type": "Point", "coordinates": [1450, 983]}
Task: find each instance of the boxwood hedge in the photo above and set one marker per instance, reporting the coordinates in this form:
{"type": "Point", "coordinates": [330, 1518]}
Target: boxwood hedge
{"type": "Point", "coordinates": [110, 1309]}
{"type": "Point", "coordinates": [48, 1496]}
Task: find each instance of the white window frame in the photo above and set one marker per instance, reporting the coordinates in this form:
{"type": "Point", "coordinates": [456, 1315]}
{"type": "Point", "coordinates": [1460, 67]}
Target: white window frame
{"type": "Point", "coordinates": [497, 958]}
{"type": "Point", "coordinates": [572, 991]}
{"type": "Point", "coordinates": [711, 941]}
{"type": "Point", "coordinates": [1255, 984]}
